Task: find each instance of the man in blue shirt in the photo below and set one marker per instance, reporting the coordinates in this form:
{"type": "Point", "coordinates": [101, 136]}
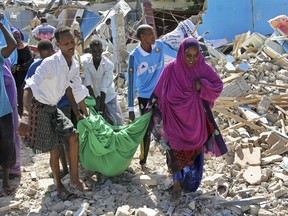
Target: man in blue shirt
{"type": "Point", "coordinates": [145, 65]}
{"type": "Point", "coordinates": [7, 145]}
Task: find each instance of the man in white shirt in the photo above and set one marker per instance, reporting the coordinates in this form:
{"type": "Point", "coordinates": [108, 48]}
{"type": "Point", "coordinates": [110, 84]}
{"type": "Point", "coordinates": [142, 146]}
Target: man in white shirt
{"type": "Point", "coordinates": [45, 125]}
{"type": "Point", "coordinates": [75, 28]}
{"type": "Point", "coordinates": [43, 31]}
{"type": "Point", "coordinates": [105, 30]}
{"type": "Point", "coordinates": [98, 72]}
{"type": "Point", "coordinates": [36, 20]}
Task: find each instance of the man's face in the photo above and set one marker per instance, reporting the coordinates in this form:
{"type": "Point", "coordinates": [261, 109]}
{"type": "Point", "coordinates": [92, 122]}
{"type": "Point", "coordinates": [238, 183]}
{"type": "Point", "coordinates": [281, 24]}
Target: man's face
{"type": "Point", "coordinates": [78, 19]}
{"type": "Point", "coordinates": [66, 43]}
{"type": "Point", "coordinates": [148, 36]}
{"type": "Point", "coordinates": [96, 52]}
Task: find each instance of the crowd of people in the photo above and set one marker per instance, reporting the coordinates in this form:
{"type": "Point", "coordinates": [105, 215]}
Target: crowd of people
{"type": "Point", "coordinates": [48, 96]}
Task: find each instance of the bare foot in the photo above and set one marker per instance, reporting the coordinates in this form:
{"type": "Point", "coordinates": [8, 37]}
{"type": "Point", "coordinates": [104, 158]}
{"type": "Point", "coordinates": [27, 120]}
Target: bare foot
{"type": "Point", "coordinates": [80, 185]}
{"type": "Point", "coordinates": [176, 193]}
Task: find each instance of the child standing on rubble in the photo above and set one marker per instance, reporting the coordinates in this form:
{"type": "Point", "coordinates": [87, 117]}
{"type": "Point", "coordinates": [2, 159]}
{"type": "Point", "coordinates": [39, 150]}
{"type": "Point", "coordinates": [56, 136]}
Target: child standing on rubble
{"type": "Point", "coordinates": [145, 65]}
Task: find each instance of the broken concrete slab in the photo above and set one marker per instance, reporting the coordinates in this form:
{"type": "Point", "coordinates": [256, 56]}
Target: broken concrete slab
{"type": "Point", "coordinates": [248, 156]}
{"type": "Point", "coordinates": [253, 175]}
{"type": "Point", "coordinates": [271, 159]}
{"type": "Point", "coordinates": [239, 87]}
{"type": "Point", "coordinates": [144, 179]}
{"type": "Point", "coordinates": [279, 147]}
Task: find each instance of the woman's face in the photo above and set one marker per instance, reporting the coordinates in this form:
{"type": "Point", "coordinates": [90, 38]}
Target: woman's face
{"type": "Point", "coordinates": [190, 55]}
{"type": "Point", "coordinates": [17, 37]}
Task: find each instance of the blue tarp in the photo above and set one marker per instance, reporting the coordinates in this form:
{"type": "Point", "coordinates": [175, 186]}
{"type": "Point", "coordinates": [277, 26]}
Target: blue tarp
{"type": "Point", "coordinates": [89, 22]}
{"type": "Point", "coordinates": [227, 18]}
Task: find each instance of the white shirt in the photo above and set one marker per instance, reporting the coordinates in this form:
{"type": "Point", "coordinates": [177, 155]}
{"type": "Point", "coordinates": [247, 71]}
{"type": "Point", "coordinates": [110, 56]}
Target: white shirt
{"type": "Point", "coordinates": [53, 77]}
{"type": "Point", "coordinates": [101, 79]}
{"type": "Point", "coordinates": [44, 31]}
{"type": "Point", "coordinates": [104, 31]}
{"type": "Point", "coordinates": [75, 26]}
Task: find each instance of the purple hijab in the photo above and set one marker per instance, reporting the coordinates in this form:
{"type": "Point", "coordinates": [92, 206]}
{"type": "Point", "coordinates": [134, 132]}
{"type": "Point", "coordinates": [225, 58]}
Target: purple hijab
{"type": "Point", "coordinates": [183, 115]}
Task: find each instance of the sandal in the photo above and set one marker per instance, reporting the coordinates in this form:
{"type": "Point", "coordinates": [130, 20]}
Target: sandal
{"type": "Point", "coordinates": [66, 195]}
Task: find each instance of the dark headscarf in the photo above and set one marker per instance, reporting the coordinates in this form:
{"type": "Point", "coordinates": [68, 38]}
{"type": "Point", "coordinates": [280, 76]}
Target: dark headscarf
{"type": "Point", "coordinates": [15, 29]}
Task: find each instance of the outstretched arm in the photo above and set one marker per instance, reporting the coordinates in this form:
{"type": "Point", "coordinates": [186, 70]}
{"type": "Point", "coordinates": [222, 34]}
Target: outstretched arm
{"type": "Point", "coordinates": [10, 41]}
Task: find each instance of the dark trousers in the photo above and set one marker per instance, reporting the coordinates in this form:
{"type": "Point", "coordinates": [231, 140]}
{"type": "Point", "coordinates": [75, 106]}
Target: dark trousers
{"type": "Point", "coordinates": [145, 144]}
{"type": "Point", "coordinates": [7, 144]}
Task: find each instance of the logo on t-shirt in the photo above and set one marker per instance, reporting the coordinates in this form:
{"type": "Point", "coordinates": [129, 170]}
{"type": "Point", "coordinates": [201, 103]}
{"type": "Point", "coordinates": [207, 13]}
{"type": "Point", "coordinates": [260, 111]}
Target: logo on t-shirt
{"type": "Point", "coordinates": [143, 67]}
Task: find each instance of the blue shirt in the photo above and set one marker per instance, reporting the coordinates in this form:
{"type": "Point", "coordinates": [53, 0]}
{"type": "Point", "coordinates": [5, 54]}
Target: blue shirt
{"type": "Point", "coordinates": [31, 71]}
{"type": "Point", "coordinates": [5, 106]}
{"type": "Point", "coordinates": [145, 68]}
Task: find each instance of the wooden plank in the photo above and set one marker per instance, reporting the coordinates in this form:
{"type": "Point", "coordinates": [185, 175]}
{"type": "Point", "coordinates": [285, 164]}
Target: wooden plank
{"type": "Point", "coordinates": [10, 206]}
{"type": "Point", "coordinates": [238, 125]}
{"type": "Point", "coordinates": [232, 77]}
{"type": "Point", "coordinates": [238, 118]}
{"type": "Point", "coordinates": [242, 202]}
{"type": "Point", "coordinates": [281, 109]}
{"type": "Point", "coordinates": [251, 101]}
{"type": "Point", "coordinates": [272, 85]}
{"type": "Point", "coordinates": [275, 97]}
{"type": "Point", "coordinates": [283, 127]}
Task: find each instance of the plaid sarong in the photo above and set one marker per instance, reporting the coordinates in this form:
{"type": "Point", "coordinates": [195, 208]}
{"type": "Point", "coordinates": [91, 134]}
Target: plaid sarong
{"type": "Point", "coordinates": [178, 159]}
{"type": "Point", "coordinates": [49, 127]}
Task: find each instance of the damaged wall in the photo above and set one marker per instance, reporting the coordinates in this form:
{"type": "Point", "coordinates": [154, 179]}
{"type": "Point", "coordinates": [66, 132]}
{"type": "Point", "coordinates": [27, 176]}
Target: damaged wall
{"type": "Point", "coordinates": [227, 18]}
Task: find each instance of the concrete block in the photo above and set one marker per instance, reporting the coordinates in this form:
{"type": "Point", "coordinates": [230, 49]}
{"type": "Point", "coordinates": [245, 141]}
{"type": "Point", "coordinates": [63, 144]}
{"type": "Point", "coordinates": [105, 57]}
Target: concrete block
{"type": "Point", "coordinates": [272, 138]}
{"type": "Point", "coordinates": [253, 175]}
{"type": "Point", "coordinates": [239, 87]}
{"type": "Point", "coordinates": [144, 179]}
{"type": "Point", "coordinates": [256, 40]}
{"type": "Point", "coordinates": [248, 156]}
{"type": "Point", "coordinates": [271, 159]}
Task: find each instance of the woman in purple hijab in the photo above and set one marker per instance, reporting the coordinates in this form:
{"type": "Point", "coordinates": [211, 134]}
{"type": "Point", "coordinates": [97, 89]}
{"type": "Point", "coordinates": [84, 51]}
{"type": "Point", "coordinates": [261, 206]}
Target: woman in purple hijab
{"type": "Point", "coordinates": [184, 85]}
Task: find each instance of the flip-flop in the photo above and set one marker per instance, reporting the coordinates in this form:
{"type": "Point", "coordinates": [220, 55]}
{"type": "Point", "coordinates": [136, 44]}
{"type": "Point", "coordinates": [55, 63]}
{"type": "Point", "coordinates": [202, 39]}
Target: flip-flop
{"type": "Point", "coordinates": [66, 195]}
